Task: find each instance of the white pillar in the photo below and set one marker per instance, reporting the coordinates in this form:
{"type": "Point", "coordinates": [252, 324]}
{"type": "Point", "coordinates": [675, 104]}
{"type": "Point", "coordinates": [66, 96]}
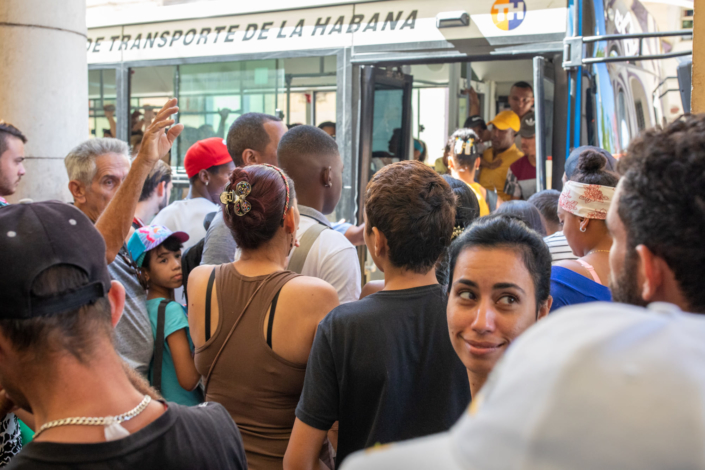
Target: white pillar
{"type": "Point", "coordinates": [44, 87]}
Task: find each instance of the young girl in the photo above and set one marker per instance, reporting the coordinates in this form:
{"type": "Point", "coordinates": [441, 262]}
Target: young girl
{"type": "Point", "coordinates": [157, 252]}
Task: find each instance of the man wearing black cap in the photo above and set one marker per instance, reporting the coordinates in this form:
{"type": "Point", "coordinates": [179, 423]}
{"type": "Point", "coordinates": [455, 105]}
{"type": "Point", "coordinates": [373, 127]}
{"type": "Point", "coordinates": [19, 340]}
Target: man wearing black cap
{"type": "Point", "coordinates": [521, 177]}
{"type": "Point", "coordinates": [57, 358]}
{"type": "Point", "coordinates": [479, 126]}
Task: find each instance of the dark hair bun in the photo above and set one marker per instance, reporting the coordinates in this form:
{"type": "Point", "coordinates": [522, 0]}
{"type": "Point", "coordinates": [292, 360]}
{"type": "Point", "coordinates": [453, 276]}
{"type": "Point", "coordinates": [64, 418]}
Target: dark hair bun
{"type": "Point", "coordinates": [591, 162]}
{"type": "Point", "coordinates": [267, 199]}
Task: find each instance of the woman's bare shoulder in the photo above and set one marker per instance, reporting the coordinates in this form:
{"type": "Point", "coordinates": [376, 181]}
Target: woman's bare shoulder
{"type": "Point", "coordinates": [306, 286]}
{"type": "Point", "coordinates": [309, 296]}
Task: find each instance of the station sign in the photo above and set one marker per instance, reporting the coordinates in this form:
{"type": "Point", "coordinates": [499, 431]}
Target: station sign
{"type": "Point", "coordinates": [365, 24]}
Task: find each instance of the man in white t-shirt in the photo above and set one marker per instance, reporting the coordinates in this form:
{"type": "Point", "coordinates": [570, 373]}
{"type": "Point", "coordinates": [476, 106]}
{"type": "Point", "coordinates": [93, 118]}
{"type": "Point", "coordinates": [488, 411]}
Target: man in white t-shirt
{"type": "Point", "coordinates": [208, 166]}
{"type": "Point", "coordinates": [310, 157]}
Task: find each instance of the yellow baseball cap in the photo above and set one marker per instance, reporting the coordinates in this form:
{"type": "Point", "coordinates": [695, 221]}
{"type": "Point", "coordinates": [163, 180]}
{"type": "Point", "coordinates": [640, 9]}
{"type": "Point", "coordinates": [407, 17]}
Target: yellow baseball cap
{"type": "Point", "coordinates": [506, 120]}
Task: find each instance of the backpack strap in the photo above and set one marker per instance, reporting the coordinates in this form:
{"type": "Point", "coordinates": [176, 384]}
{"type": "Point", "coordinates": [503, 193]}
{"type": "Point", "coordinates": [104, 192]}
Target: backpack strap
{"type": "Point", "coordinates": [159, 346]}
{"type": "Point", "coordinates": [209, 295]}
{"type": "Point", "coordinates": [297, 260]}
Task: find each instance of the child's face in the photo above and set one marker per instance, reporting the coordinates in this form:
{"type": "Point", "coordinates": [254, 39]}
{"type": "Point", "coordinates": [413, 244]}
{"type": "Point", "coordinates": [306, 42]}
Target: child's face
{"type": "Point", "coordinates": [165, 268]}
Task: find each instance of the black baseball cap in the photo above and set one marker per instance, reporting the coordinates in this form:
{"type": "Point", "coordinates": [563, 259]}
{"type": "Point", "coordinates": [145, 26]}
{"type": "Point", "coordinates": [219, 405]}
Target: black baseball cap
{"type": "Point", "coordinates": [38, 236]}
{"type": "Point", "coordinates": [528, 125]}
{"type": "Point", "coordinates": [474, 121]}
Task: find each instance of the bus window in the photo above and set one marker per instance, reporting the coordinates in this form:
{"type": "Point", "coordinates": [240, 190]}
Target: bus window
{"type": "Point", "coordinates": [387, 127]}
{"type": "Point", "coordinates": [622, 123]}
{"type": "Point", "coordinates": [641, 104]}
{"type": "Point", "coordinates": [212, 95]}
{"type": "Point", "coordinates": [150, 88]}
{"type": "Point", "coordinates": [640, 121]}
{"type": "Point", "coordinates": [101, 103]}
{"type": "Point", "coordinates": [429, 106]}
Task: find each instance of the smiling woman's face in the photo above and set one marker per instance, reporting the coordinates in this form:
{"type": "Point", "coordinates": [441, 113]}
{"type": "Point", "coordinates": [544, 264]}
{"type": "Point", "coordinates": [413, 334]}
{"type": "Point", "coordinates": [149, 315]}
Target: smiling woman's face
{"type": "Point", "coordinates": [492, 301]}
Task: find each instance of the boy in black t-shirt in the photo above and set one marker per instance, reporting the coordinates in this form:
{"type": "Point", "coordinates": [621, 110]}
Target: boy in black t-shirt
{"type": "Point", "coordinates": [384, 366]}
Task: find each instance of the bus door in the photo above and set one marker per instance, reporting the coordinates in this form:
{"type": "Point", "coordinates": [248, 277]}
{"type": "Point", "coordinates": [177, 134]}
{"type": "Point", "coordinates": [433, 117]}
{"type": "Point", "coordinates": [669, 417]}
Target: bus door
{"type": "Point", "coordinates": [385, 133]}
{"type": "Point", "coordinates": [549, 170]}
{"type": "Point", "coordinates": [385, 122]}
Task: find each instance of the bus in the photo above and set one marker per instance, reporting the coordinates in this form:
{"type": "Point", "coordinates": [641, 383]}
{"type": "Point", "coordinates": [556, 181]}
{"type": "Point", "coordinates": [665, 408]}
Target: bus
{"type": "Point", "coordinates": [382, 71]}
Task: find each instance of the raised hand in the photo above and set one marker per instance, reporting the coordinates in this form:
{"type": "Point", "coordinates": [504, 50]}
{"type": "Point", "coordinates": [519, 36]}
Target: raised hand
{"type": "Point", "coordinates": [157, 142]}
{"type": "Point", "coordinates": [109, 110]}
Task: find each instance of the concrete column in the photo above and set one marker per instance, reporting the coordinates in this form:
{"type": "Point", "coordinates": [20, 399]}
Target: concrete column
{"type": "Point", "coordinates": [697, 99]}
{"type": "Point", "coordinates": [44, 87]}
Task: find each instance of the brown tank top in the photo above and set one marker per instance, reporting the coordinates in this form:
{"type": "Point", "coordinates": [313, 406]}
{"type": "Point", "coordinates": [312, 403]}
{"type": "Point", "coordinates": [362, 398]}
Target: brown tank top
{"type": "Point", "coordinates": [259, 388]}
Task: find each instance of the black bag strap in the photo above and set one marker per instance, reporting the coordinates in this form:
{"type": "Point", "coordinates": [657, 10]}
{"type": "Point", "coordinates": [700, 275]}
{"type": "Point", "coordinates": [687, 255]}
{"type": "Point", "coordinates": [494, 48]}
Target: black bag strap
{"type": "Point", "coordinates": [159, 346]}
{"type": "Point", "coordinates": [232, 330]}
{"type": "Point", "coordinates": [209, 295]}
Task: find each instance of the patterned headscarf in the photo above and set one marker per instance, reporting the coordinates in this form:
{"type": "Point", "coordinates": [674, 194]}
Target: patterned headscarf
{"type": "Point", "coordinates": [591, 201]}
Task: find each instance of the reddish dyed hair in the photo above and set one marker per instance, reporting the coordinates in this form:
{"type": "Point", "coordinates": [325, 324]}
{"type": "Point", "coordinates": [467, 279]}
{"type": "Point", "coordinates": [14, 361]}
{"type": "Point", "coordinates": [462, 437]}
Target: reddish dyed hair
{"type": "Point", "coordinates": [268, 198]}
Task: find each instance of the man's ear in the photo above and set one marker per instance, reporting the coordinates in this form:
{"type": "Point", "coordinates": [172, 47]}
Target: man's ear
{"type": "Point", "coordinates": [250, 157]}
{"type": "Point", "coordinates": [651, 271]}
{"type": "Point", "coordinates": [544, 308]}
{"type": "Point", "coordinates": [77, 191]}
{"type": "Point", "coordinates": [204, 177]}
{"type": "Point", "coordinates": [380, 244]}
{"type": "Point", "coordinates": [161, 188]}
{"type": "Point", "coordinates": [327, 177]}
{"type": "Point", "coordinates": [116, 297]}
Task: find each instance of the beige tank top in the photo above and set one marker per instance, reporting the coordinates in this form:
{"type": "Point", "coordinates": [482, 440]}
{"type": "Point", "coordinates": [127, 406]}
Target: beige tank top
{"type": "Point", "coordinates": [259, 388]}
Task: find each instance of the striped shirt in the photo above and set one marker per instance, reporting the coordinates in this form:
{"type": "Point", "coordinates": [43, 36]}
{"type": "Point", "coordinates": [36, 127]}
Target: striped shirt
{"type": "Point", "coordinates": [559, 248]}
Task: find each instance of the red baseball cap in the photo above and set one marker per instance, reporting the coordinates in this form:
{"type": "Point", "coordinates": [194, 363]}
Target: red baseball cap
{"type": "Point", "coordinates": [205, 154]}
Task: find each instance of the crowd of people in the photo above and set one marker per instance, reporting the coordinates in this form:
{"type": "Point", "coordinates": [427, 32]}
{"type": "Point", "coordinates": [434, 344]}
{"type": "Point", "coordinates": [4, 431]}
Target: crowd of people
{"type": "Point", "coordinates": [231, 329]}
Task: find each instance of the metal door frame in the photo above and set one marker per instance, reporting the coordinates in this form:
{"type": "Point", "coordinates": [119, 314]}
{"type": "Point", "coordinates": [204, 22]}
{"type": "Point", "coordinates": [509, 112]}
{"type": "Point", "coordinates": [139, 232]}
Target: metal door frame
{"type": "Point", "coordinates": [370, 76]}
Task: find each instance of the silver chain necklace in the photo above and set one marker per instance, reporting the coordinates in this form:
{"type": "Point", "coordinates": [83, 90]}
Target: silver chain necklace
{"type": "Point", "coordinates": [107, 421]}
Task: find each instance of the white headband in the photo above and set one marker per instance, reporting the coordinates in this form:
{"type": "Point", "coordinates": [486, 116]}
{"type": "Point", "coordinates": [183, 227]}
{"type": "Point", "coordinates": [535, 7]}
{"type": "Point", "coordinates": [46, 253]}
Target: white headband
{"type": "Point", "coordinates": [591, 201]}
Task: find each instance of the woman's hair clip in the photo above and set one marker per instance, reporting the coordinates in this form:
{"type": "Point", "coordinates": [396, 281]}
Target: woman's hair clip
{"type": "Point", "coordinates": [457, 231]}
{"type": "Point", "coordinates": [462, 146]}
{"type": "Point", "coordinates": [458, 146]}
{"type": "Point", "coordinates": [469, 146]}
{"type": "Point", "coordinates": [237, 198]}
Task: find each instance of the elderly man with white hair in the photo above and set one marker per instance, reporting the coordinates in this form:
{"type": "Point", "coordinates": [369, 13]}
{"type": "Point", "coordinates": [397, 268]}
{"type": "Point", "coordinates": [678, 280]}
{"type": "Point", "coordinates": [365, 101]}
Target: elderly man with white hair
{"type": "Point", "coordinates": [107, 188]}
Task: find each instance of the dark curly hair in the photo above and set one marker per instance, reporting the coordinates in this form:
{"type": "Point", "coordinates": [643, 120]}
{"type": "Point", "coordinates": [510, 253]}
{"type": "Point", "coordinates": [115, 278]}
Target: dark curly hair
{"type": "Point", "coordinates": [662, 200]}
{"type": "Point", "coordinates": [508, 231]}
{"type": "Point", "coordinates": [268, 198]}
{"type": "Point", "coordinates": [415, 210]}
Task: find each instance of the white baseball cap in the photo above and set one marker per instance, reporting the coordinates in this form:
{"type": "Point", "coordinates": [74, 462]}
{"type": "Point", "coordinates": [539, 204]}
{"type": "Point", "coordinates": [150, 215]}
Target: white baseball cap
{"type": "Point", "coordinates": [594, 386]}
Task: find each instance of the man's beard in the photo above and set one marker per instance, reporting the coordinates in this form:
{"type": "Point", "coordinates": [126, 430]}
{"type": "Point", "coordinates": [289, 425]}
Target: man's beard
{"type": "Point", "coordinates": [624, 286]}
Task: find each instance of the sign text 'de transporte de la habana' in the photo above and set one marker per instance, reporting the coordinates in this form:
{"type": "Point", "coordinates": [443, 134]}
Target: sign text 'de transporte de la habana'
{"type": "Point", "coordinates": [329, 27]}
